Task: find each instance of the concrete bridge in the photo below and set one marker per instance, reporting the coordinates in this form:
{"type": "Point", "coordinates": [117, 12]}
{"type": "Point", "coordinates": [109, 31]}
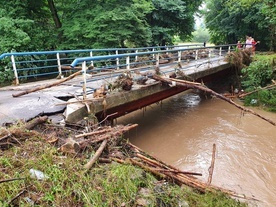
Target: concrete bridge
{"type": "Point", "coordinates": [88, 94]}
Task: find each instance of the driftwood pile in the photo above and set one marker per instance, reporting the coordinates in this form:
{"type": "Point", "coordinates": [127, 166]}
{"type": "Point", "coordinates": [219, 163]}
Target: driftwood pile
{"type": "Point", "coordinates": [170, 173]}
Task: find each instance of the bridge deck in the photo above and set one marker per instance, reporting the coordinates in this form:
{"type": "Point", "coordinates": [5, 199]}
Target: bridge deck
{"type": "Point", "coordinates": [53, 100]}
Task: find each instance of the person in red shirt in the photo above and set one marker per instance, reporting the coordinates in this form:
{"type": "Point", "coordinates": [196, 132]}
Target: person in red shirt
{"type": "Point", "coordinates": [239, 45]}
{"type": "Point", "coordinates": [254, 43]}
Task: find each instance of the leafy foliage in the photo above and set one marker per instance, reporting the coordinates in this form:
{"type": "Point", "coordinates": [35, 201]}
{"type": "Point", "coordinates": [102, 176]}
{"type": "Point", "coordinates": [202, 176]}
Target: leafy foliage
{"type": "Point", "coordinates": [201, 35]}
{"type": "Point", "coordinates": [256, 76]}
{"type": "Point", "coordinates": [172, 17]}
{"type": "Point", "coordinates": [230, 21]}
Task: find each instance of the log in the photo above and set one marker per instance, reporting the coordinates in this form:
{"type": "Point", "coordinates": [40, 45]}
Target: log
{"type": "Point", "coordinates": [207, 90]}
{"type": "Point", "coordinates": [211, 168]}
{"type": "Point", "coordinates": [98, 153]}
{"type": "Point", "coordinates": [39, 120]}
{"type": "Point", "coordinates": [47, 86]}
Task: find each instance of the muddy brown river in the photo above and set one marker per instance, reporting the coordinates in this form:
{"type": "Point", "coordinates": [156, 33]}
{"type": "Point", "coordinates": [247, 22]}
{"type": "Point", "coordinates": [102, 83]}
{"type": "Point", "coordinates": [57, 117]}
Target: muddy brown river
{"type": "Point", "coordinates": [182, 130]}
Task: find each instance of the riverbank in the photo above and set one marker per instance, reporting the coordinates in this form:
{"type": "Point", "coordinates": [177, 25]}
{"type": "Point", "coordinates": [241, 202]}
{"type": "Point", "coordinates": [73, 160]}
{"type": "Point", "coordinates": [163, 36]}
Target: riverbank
{"type": "Point", "coordinates": [67, 183]}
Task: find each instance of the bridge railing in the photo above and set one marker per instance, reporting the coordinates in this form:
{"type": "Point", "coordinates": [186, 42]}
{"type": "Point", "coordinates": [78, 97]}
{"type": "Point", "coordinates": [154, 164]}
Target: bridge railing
{"type": "Point", "coordinates": [128, 61]}
{"type": "Point", "coordinates": [49, 64]}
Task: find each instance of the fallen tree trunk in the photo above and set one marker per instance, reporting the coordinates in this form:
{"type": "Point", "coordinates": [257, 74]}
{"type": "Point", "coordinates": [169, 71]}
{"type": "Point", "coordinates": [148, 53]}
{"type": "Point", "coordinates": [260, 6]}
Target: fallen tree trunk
{"type": "Point", "coordinates": [47, 86]}
{"type": "Point", "coordinates": [190, 85]}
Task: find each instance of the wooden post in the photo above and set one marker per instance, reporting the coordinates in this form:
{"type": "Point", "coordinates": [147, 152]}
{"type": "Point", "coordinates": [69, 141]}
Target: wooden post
{"type": "Point", "coordinates": [211, 168]}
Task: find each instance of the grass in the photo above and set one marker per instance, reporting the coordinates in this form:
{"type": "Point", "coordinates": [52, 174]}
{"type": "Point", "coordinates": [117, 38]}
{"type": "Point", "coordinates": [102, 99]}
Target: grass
{"type": "Point", "coordinates": [107, 185]}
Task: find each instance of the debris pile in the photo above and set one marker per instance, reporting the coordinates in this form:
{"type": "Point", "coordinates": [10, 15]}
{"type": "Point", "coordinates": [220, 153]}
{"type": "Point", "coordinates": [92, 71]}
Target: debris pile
{"type": "Point", "coordinates": [107, 145]}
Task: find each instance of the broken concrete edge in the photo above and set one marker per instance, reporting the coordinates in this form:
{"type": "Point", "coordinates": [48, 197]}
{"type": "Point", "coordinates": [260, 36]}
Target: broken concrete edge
{"type": "Point", "coordinates": [77, 111]}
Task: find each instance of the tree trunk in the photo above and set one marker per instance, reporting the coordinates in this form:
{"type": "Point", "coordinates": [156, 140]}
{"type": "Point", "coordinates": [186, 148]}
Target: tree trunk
{"type": "Point", "coordinates": [54, 13]}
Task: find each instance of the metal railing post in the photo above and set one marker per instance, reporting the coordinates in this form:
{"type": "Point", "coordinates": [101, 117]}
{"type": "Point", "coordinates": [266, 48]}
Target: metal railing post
{"type": "Point", "coordinates": [92, 62]}
{"type": "Point", "coordinates": [229, 49]}
{"type": "Point", "coordinates": [153, 55]}
{"type": "Point", "coordinates": [83, 68]}
{"type": "Point", "coordinates": [59, 65]}
{"type": "Point", "coordinates": [117, 61]}
{"type": "Point", "coordinates": [136, 56]}
{"type": "Point", "coordinates": [196, 57]}
{"type": "Point", "coordinates": [167, 49]}
{"type": "Point", "coordinates": [14, 70]}
{"type": "Point", "coordinates": [179, 56]}
{"type": "Point", "coordinates": [220, 49]}
{"type": "Point", "coordinates": [127, 62]}
{"type": "Point", "coordinates": [157, 60]}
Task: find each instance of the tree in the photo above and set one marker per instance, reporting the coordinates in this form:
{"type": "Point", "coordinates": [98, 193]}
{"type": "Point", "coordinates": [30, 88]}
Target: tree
{"type": "Point", "coordinates": [101, 24]}
{"type": "Point", "coordinates": [26, 26]}
{"type": "Point", "coordinates": [172, 17]}
{"type": "Point", "coordinates": [230, 21]}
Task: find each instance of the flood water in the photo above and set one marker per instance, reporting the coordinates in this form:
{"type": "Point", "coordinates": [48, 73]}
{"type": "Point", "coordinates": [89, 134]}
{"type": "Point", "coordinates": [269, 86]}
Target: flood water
{"type": "Point", "coordinates": [182, 130]}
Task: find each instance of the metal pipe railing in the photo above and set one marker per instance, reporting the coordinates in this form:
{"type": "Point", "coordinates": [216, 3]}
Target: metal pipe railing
{"type": "Point", "coordinates": [20, 60]}
{"type": "Point", "coordinates": [45, 63]}
{"type": "Point", "coordinates": [154, 53]}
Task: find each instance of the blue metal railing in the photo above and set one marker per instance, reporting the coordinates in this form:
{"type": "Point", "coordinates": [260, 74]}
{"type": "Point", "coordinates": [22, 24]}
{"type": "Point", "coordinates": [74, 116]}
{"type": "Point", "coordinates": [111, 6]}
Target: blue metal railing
{"type": "Point", "coordinates": [26, 65]}
{"type": "Point", "coordinates": [175, 54]}
{"type": "Point", "coordinates": [45, 63]}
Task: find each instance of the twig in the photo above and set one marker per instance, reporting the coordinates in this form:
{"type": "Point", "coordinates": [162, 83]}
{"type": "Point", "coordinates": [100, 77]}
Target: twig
{"type": "Point", "coordinates": [5, 137]}
{"type": "Point", "coordinates": [93, 133]}
{"type": "Point", "coordinates": [19, 194]}
{"type": "Point", "coordinates": [12, 179]}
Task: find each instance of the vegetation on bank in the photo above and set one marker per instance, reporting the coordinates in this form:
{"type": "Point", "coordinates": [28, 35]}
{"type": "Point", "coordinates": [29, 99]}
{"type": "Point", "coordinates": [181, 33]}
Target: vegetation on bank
{"type": "Point", "coordinates": [259, 79]}
{"type": "Point", "coordinates": [66, 183]}
{"type": "Point", "coordinates": [256, 77]}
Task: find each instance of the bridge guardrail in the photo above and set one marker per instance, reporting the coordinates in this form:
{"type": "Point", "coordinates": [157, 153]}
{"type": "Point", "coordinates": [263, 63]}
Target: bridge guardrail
{"type": "Point", "coordinates": [26, 65]}
{"type": "Point", "coordinates": [178, 55]}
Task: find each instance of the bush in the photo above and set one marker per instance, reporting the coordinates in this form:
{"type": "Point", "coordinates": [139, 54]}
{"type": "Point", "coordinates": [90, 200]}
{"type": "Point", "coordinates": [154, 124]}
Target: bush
{"type": "Point", "coordinates": [258, 78]}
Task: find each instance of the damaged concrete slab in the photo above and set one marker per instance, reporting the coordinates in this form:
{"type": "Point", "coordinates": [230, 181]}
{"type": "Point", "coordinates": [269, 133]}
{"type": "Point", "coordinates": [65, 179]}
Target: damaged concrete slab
{"type": "Point", "coordinates": [28, 106]}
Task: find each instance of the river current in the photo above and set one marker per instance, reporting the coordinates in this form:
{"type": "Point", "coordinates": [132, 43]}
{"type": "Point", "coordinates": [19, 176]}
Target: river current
{"type": "Point", "coordinates": [181, 131]}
